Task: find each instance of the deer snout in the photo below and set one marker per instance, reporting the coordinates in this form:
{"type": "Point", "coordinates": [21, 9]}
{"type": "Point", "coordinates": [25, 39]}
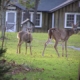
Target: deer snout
{"type": "Point", "coordinates": [75, 31]}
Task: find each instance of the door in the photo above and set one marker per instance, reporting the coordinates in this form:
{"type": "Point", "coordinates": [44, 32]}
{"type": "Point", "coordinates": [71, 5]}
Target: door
{"type": "Point", "coordinates": [11, 21]}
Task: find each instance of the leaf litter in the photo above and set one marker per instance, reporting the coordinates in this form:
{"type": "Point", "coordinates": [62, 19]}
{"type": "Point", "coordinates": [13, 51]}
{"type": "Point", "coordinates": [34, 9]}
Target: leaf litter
{"type": "Point", "coordinates": [20, 68]}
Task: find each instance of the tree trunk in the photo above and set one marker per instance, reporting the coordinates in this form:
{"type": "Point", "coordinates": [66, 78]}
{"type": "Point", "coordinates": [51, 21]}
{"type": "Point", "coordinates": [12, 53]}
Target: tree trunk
{"type": "Point", "coordinates": [3, 26]}
{"type": "Point", "coordinates": [35, 12]}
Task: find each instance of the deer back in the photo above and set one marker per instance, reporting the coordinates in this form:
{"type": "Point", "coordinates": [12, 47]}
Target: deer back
{"type": "Point", "coordinates": [57, 33]}
{"type": "Point", "coordinates": [27, 37]}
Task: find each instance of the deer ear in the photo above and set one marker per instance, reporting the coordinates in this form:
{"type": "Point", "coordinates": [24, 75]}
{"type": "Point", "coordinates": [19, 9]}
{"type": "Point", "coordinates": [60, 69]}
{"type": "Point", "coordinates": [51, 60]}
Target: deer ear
{"type": "Point", "coordinates": [77, 24]}
{"type": "Point", "coordinates": [72, 24]}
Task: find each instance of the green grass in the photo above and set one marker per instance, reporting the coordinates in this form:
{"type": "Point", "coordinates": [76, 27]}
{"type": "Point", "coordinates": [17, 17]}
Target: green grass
{"type": "Point", "coordinates": [54, 68]}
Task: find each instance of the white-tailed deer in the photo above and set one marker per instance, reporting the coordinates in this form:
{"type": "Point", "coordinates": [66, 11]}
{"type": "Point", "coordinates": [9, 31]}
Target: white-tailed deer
{"type": "Point", "coordinates": [60, 34]}
{"type": "Point", "coordinates": [24, 36]}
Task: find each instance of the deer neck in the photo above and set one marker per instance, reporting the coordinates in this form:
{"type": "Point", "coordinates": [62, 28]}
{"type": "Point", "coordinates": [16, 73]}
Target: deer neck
{"type": "Point", "coordinates": [70, 32]}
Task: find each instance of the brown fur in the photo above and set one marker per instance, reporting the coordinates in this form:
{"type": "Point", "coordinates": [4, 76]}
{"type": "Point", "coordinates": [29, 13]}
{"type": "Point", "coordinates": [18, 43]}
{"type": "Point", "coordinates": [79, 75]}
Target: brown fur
{"type": "Point", "coordinates": [24, 36]}
{"type": "Point", "coordinates": [60, 34]}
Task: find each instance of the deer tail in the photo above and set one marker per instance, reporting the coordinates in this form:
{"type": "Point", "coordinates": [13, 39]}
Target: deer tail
{"type": "Point", "coordinates": [50, 33]}
{"type": "Point", "coordinates": [17, 36]}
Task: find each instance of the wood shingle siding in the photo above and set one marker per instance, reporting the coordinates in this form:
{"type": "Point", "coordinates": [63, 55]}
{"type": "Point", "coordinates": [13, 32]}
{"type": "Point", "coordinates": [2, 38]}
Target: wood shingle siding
{"type": "Point", "coordinates": [59, 15]}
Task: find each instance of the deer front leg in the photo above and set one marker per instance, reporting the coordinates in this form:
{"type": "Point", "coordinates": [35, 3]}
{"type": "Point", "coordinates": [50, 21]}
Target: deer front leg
{"type": "Point", "coordinates": [45, 45]}
{"type": "Point", "coordinates": [55, 46]}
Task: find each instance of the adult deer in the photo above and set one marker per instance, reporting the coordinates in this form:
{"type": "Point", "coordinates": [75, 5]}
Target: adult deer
{"type": "Point", "coordinates": [24, 36]}
{"type": "Point", "coordinates": [60, 34]}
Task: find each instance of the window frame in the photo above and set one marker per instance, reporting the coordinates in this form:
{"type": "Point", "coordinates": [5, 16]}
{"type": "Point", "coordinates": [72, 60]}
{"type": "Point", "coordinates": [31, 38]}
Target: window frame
{"type": "Point", "coordinates": [75, 14]}
{"type": "Point", "coordinates": [22, 16]}
{"type": "Point", "coordinates": [31, 18]}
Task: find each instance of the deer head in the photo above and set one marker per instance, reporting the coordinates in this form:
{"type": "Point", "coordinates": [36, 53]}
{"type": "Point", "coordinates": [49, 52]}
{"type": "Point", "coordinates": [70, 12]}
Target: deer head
{"type": "Point", "coordinates": [29, 29]}
{"type": "Point", "coordinates": [74, 27]}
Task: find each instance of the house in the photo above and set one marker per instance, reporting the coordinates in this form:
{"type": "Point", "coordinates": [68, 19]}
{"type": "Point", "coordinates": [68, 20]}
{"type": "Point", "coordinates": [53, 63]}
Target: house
{"type": "Point", "coordinates": [50, 13]}
{"type": "Point", "coordinates": [14, 14]}
{"type": "Point", "coordinates": [56, 13]}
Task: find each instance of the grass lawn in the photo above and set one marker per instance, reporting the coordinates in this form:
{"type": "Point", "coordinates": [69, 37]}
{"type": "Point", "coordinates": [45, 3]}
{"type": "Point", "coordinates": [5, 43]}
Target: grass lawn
{"type": "Point", "coordinates": [51, 67]}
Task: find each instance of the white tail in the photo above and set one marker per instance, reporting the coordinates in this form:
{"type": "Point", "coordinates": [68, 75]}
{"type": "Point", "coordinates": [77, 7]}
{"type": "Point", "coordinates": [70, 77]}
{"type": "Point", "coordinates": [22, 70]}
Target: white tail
{"type": "Point", "coordinates": [60, 35]}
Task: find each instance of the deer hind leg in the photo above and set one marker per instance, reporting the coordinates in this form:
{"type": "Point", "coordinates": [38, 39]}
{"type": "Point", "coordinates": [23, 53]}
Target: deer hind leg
{"type": "Point", "coordinates": [26, 48]}
{"type": "Point", "coordinates": [55, 46]}
{"type": "Point", "coordinates": [30, 48]}
{"type": "Point", "coordinates": [62, 48]}
{"type": "Point", "coordinates": [45, 45]}
{"type": "Point", "coordinates": [17, 49]}
{"type": "Point", "coordinates": [66, 47]}
{"type": "Point", "coordinates": [19, 46]}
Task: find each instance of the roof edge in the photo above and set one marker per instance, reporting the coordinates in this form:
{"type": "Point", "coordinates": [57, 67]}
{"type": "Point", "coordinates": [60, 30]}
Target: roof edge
{"type": "Point", "coordinates": [62, 5]}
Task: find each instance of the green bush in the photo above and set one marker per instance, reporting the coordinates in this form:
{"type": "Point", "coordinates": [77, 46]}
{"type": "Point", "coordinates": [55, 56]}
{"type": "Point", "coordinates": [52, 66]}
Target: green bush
{"type": "Point", "coordinates": [4, 69]}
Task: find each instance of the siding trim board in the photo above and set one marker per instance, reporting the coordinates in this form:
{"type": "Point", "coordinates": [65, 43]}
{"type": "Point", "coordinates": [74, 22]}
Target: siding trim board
{"type": "Point", "coordinates": [66, 3]}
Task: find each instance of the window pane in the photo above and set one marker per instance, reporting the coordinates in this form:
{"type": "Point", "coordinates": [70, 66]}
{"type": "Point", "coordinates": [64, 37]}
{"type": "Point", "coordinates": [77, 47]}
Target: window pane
{"type": "Point", "coordinates": [78, 20]}
{"type": "Point", "coordinates": [11, 17]}
{"type": "Point", "coordinates": [38, 20]}
{"type": "Point", "coordinates": [70, 19]}
{"type": "Point", "coordinates": [24, 15]}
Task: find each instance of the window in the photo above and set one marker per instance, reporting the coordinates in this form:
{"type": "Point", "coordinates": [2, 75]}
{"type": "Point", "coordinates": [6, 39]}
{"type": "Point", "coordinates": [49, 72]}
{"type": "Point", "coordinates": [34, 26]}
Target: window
{"type": "Point", "coordinates": [23, 16]}
{"type": "Point", "coordinates": [38, 19]}
{"type": "Point", "coordinates": [72, 18]}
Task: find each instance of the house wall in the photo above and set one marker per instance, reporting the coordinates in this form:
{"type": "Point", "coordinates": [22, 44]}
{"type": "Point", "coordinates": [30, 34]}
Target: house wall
{"type": "Point", "coordinates": [59, 15]}
{"type": "Point", "coordinates": [18, 12]}
{"type": "Point", "coordinates": [46, 22]}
